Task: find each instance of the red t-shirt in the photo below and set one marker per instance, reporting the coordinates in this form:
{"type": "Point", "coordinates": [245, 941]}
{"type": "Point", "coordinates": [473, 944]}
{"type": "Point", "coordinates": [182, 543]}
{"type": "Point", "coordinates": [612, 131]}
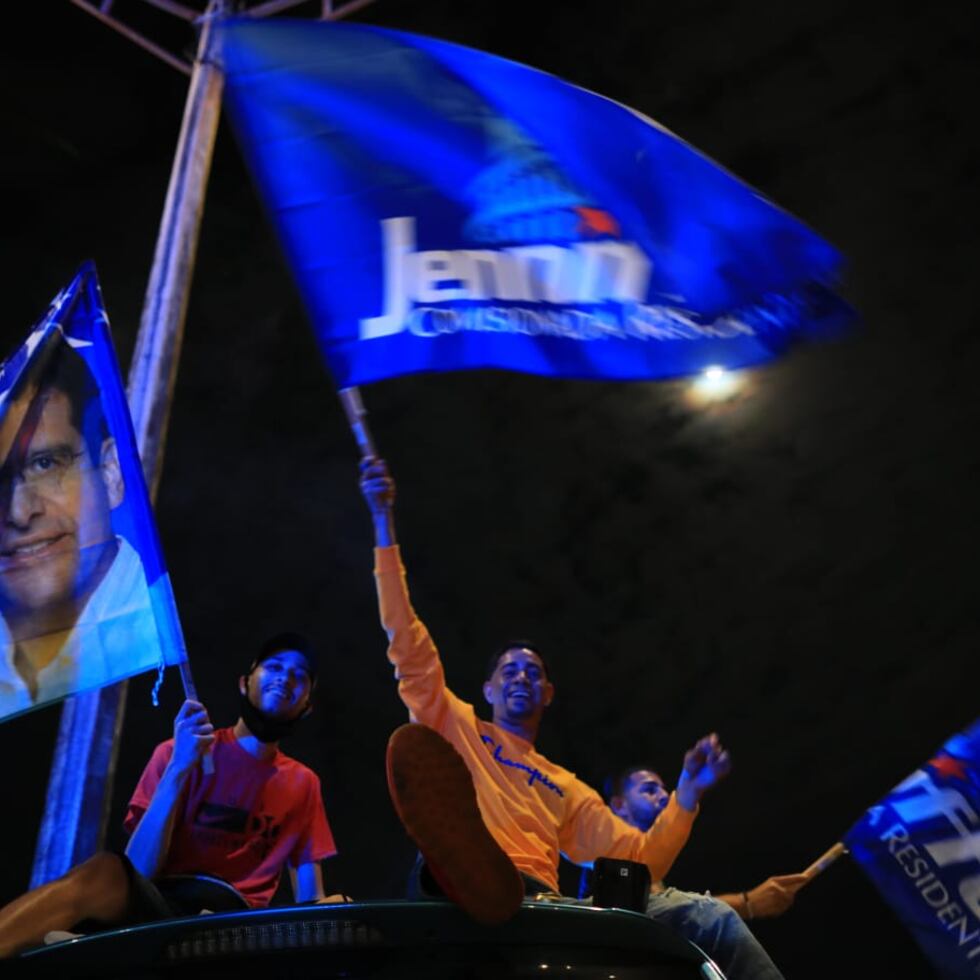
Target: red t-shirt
{"type": "Point", "coordinates": [243, 822]}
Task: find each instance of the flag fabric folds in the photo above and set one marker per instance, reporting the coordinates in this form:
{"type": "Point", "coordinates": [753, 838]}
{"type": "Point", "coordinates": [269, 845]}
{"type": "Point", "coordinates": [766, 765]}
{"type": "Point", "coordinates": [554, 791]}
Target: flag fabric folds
{"type": "Point", "coordinates": [85, 599]}
{"type": "Point", "coordinates": [921, 847]}
{"type": "Point", "coordinates": [443, 208]}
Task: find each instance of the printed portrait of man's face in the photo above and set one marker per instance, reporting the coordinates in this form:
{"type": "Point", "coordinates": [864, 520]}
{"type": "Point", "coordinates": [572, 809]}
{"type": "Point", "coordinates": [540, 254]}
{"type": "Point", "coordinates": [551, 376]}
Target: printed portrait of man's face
{"type": "Point", "coordinates": [59, 481]}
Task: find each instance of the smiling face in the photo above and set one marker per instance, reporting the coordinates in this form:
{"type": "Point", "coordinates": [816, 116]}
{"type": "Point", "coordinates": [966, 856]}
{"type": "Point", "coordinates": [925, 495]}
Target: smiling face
{"type": "Point", "coordinates": [518, 690]}
{"type": "Point", "coordinates": [55, 526]}
{"type": "Point", "coordinates": [643, 798]}
{"type": "Point", "coordinates": [280, 685]}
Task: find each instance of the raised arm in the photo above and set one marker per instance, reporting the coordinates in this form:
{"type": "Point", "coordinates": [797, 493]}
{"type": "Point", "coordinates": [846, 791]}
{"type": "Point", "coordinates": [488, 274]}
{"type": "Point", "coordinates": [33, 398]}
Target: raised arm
{"type": "Point", "coordinates": [150, 842]}
{"type": "Point", "coordinates": [594, 831]}
{"type": "Point", "coordinates": [421, 680]}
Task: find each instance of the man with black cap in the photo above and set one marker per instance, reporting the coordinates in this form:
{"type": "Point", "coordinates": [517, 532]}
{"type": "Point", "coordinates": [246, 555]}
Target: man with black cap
{"type": "Point", "coordinates": [257, 812]}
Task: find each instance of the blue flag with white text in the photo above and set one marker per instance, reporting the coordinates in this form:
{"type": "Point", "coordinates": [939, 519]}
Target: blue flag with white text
{"type": "Point", "coordinates": [443, 208]}
{"type": "Point", "coordinates": [921, 847]}
{"type": "Point", "coordinates": [85, 599]}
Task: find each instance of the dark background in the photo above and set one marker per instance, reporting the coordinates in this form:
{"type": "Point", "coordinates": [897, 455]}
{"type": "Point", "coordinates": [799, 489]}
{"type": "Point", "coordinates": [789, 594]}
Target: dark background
{"type": "Point", "coordinates": [794, 567]}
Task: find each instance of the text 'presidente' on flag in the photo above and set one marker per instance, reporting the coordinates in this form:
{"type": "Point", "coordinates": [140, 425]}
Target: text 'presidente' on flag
{"type": "Point", "coordinates": [921, 847]}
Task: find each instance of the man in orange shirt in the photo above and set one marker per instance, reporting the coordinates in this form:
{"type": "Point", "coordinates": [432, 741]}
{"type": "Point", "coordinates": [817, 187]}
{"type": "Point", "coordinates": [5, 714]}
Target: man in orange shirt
{"type": "Point", "coordinates": [492, 827]}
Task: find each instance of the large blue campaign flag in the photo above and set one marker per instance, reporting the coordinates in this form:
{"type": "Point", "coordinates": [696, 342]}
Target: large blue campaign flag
{"type": "Point", "coordinates": [443, 208]}
{"type": "Point", "coordinates": [85, 599]}
{"type": "Point", "coordinates": [921, 847]}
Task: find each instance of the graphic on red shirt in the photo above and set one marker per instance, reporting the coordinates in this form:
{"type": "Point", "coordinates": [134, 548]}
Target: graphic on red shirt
{"type": "Point", "coordinates": [242, 823]}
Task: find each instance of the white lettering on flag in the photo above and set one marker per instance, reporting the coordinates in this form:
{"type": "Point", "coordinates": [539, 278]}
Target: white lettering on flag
{"type": "Point", "coordinates": [932, 801]}
{"type": "Point", "coordinates": [586, 273]}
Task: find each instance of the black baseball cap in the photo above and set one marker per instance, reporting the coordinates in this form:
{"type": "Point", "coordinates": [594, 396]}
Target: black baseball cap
{"type": "Point", "coordinates": [287, 640]}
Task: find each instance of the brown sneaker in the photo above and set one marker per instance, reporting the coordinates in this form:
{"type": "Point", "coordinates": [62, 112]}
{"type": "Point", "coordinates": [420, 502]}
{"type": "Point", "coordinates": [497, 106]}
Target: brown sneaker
{"type": "Point", "coordinates": [433, 794]}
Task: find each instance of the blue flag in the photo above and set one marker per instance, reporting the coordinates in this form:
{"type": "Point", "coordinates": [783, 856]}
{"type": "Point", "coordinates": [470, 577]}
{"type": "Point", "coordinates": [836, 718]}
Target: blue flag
{"type": "Point", "coordinates": [85, 599]}
{"type": "Point", "coordinates": [921, 847]}
{"type": "Point", "coordinates": [443, 208]}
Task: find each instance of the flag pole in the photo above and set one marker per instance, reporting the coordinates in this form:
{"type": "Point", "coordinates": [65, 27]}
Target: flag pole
{"type": "Point", "coordinates": [153, 370]}
{"type": "Point", "coordinates": [825, 860]}
{"type": "Point", "coordinates": [356, 414]}
{"type": "Point", "coordinates": [76, 807]}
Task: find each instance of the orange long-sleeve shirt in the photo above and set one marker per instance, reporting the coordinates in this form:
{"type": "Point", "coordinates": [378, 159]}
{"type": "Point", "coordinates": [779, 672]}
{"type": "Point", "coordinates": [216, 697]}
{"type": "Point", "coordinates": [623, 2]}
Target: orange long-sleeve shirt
{"type": "Point", "coordinates": [533, 808]}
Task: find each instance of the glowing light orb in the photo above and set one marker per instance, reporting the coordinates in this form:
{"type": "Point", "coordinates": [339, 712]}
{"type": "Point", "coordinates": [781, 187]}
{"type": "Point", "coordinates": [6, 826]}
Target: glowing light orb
{"type": "Point", "coordinates": [715, 383]}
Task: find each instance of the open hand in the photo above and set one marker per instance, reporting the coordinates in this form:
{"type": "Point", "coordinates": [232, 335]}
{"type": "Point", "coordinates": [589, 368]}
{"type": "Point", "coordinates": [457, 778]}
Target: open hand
{"type": "Point", "coordinates": [704, 765]}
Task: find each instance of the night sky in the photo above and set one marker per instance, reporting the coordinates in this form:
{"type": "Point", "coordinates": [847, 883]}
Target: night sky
{"type": "Point", "coordinates": [794, 567]}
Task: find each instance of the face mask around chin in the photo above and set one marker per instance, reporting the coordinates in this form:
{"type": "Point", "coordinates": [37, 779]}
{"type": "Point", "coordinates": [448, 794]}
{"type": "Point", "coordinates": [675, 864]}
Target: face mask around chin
{"type": "Point", "coordinates": [261, 725]}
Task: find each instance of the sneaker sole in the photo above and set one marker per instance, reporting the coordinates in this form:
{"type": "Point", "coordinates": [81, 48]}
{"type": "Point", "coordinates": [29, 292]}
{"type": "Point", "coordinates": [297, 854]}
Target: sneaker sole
{"type": "Point", "coordinates": [433, 794]}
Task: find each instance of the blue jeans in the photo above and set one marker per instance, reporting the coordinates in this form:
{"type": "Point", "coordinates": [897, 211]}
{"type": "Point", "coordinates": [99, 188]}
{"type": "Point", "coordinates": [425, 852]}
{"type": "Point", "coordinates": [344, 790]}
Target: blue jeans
{"type": "Point", "coordinates": [711, 925]}
{"type": "Point", "coordinates": [717, 929]}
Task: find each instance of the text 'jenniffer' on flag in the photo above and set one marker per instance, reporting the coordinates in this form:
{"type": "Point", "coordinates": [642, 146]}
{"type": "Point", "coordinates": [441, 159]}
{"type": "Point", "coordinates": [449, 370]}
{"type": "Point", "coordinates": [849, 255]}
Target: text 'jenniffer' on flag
{"type": "Point", "coordinates": [921, 847]}
{"type": "Point", "coordinates": [444, 208]}
{"type": "Point", "coordinates": [85, 599]}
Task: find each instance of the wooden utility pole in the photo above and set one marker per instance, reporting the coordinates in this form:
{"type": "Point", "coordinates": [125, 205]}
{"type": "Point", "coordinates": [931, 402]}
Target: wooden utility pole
{"type": "Point", "coordinates": [79, 788]}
